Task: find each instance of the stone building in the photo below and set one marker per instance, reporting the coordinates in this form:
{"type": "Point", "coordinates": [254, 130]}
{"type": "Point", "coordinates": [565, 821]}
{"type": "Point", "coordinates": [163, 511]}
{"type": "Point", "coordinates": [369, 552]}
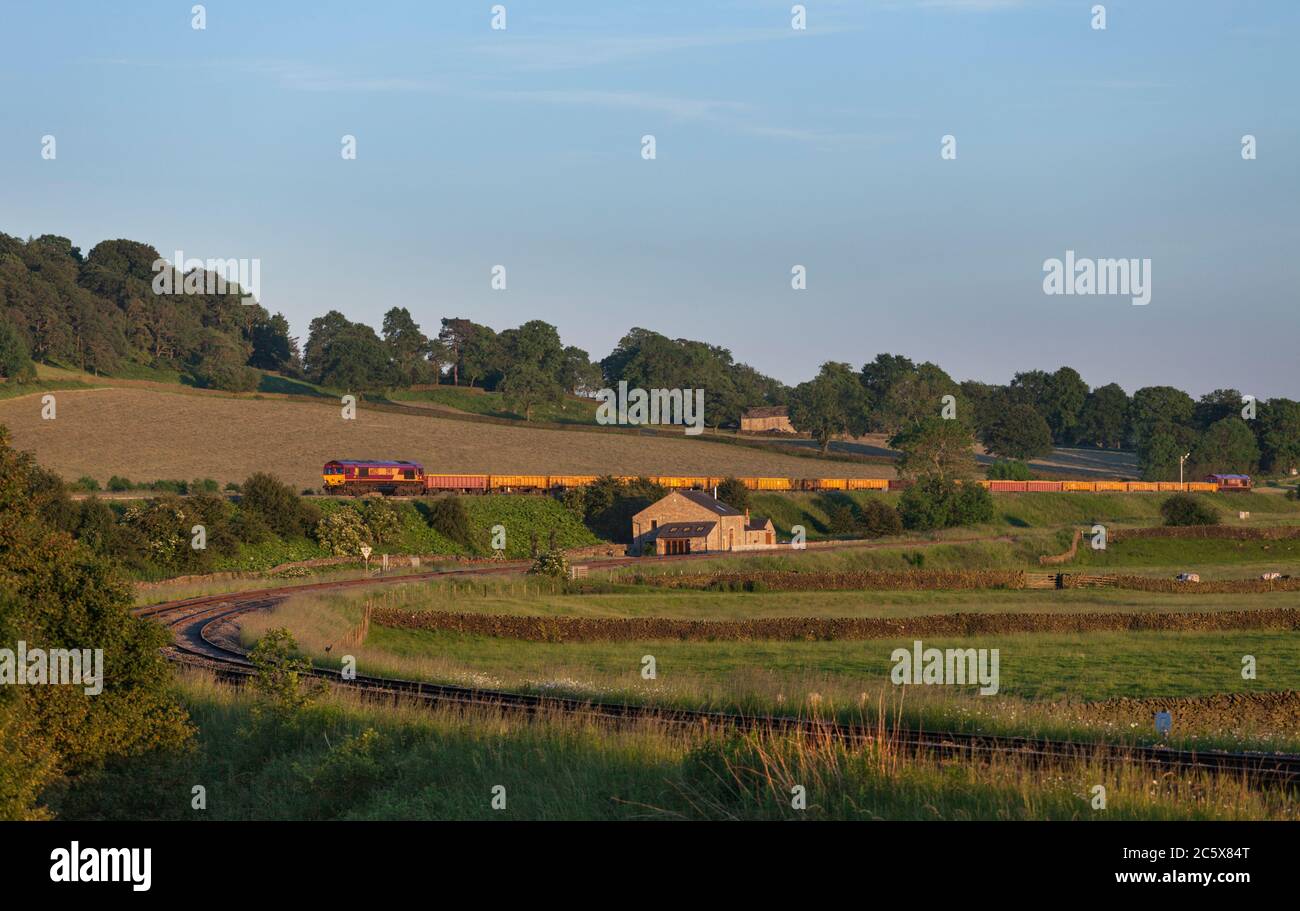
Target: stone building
{"type": "Point", "coordinates": [693, 521]}
{"type": "Point", "coordinates": [768, 419]}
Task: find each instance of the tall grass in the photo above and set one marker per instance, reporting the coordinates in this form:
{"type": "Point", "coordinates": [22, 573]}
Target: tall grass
{"type": "Point", "coordinates": [344, 758]}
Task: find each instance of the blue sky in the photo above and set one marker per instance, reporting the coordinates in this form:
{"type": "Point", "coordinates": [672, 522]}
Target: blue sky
{"type": "Point", "coordinates": [774, 148]}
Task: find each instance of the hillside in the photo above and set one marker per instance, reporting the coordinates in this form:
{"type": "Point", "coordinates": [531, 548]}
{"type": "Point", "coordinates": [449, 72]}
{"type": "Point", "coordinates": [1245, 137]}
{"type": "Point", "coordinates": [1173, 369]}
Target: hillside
{"type": "Point", "coordinates": [145, 431]}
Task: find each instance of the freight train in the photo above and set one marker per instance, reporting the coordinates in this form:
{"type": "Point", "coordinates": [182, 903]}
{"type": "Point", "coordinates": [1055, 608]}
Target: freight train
{"type": "Point", "coordinates": [393, 478]}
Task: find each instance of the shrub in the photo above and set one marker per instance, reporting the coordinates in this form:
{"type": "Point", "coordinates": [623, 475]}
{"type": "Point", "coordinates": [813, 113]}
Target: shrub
{"type": "Point", "coordinates": [86, 482]}
{"type": "Point", "coordinates": [1010, 470]}
{"type": "Point", "coordinates": [1187, 509]}
{"type": "Point", "coordinates": [448, 516]}
{"type": "Point", "coordinates": [734, 493]}
{"type": "Point", "coordinates": [550, 563]}
{"type": "Point", "coordinates": [935, 503]}
{"type": "Point", "coordinates": [119, 484]}
{"type": "Point", "coordinates": [840, 519]}
{"type": "Point", "coordinates": [973, 506]}
{"type": "Point", "coordinates": [343, 532]}
{"type": "Point", "coordinates": [879, 519]}
{"type": "Point", "coordinates": [275, 503]}
{"type": "Point", "coordinates": [381, 520]}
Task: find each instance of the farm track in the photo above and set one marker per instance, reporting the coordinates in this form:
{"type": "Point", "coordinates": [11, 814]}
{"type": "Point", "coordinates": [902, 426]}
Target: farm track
{"type": "Point", "coordinates": [193, 620]}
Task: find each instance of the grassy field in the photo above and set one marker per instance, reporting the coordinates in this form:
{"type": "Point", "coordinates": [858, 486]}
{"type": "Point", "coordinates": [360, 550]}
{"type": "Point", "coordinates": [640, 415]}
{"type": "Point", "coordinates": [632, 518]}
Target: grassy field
{"type": "Point", "coordinates": [569, 410]}
{"type": "Point", "coordinates": [144, 433]}
{"type": "Point", "coordinates": [342, 759]}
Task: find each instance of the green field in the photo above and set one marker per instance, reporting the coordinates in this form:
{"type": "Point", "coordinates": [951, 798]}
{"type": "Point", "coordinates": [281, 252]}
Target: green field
{"type": "Point", "coordinates": [341, 759]}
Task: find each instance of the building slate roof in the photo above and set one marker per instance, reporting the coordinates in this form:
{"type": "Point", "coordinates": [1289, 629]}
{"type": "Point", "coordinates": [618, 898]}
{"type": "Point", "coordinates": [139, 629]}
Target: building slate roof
{"type": "Point", "coordinates": [767, 411]}
{"type": "Point", "coordinates": [756, 523]}
{"type": "Point", "coordinates": [702, 498]}
{"type": "Point", "coordinates": [685, 529]}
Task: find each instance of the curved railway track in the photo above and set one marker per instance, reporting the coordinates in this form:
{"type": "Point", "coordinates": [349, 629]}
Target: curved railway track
{"type": "Point", "coordinates": [195, 642]}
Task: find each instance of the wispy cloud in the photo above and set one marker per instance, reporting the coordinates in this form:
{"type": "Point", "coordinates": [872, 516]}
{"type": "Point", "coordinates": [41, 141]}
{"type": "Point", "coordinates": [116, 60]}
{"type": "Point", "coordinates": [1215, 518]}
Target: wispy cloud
{"type": "Point", "coordinates": [575, 51]}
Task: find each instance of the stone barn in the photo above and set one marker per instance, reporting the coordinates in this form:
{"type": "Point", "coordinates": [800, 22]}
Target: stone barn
{"type": "Point", "coordinates": [768, 419]}
{"type": "Point", "coordinates": [694, 521]}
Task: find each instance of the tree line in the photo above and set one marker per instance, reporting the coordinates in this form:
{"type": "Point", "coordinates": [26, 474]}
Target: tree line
{"type": "Point", "coordinates": [100, 313]}
{"type": "Point", "coordinates": [935, 420]}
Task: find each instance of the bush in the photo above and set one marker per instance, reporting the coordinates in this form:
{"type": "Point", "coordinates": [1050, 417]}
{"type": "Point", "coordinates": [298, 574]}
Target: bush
{"type": "Point", "coordinates": [608, 505]}
{"type": "Point", "coordinates": [448, 516]}
{"type": "Point", "coordinates": [934, 503]}
{"type": "Point", "coordinates": [119, 484]}
{"type": "Point", "coordinates": [86, 482]}
{"type": "Point", "coordinates": [343, 532]}
{"type": "Point", "coordinates": [276, 504]}
{"type": "Point", "coordinates": [840, 519]}
{"type": "Point", "coordinates": [1187, 509]}
{"type": "Point", "coordinates": [734, 493]}
{"type": "Point", "coordinates": [1010, 470]}
{"type": "Point", "coordinates": [550, 563]}
{"type": "Point", "coordinates": [879, 519]}
{"type": "Point", "coordinates": [381, 520]}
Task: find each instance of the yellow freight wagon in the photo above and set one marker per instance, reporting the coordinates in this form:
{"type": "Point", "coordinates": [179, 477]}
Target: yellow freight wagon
{"type": "Point", "coordinates": [1088, 486]}
{"type": "Point", "coordinates": [1119, 486]}
{"type": "Point", "coordinates": [679, 482]}
{"type": "Point", "coordinates": [766, 483]}
{"type": "Point", "coordinates": [1142, 486]}
{"type": "Point", "coordinates": [827, 484]}
{"type": "Point", "coordinates": [1171, 485]}
{"type": "Point", "coordinates": [1201, 487]}
{"type": "Point", "coordinates": [868, 484]}
{"type": "Point", "coordinates": [519, 482]}
{"type": "Point", "coordinates": [566, 481]}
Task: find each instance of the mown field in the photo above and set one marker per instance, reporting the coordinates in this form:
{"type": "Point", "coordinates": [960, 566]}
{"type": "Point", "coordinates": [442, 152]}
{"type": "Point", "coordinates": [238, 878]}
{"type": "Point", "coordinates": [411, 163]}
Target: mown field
{"type": "Point", "coordinates": [342, 759]}
{"type": "Point", "coordinates": [141, 433]}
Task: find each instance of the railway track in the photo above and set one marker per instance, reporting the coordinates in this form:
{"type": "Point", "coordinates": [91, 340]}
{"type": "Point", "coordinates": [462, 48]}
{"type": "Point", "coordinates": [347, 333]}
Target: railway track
{"type": "Point", "coordinates": [193, 623]}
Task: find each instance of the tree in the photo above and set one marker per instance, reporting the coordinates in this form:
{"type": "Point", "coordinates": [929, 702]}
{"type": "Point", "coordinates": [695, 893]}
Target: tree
{"type": "Point", "coordinates": [1017, 431]}
{"type": "Point", "coordinates": [833, 403]}
{"type": "Point", "coordinates": [734, 493]}
{"type": "Point", "coordinates": [273, 347]}
{"type": "Point", "coordinates": [1215, 406]}
{"type": "Point", "coordinates": [15, 363]}
{"type": "Point", "coordinates": [1279, 422]}
{"type": "Point", "coordinates": [1104, 421]}
{"type": "Point", "coordinates": [1159, 408]}
{"type": "Point", "coordinates": [55, 593]}
{"type": "Point", "coordinates": [1228, 446]}
{"type": "Point", "coordinates": [1159, 454]}
{"type": "Point", "coordinates": [408, 348]}
{"type": "Point", "coordinates": [878, 377]}
{"type": "Point", "coordinates": [579, 375]}
{"type": "Point", "coordinates": [528, 386]}
{"type": "Point", "coordinates": [1059, 397]}
{"type": "Point", "coordinates": [917, 396]}
{"type": "Point", "coordinates": [936, 447]}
